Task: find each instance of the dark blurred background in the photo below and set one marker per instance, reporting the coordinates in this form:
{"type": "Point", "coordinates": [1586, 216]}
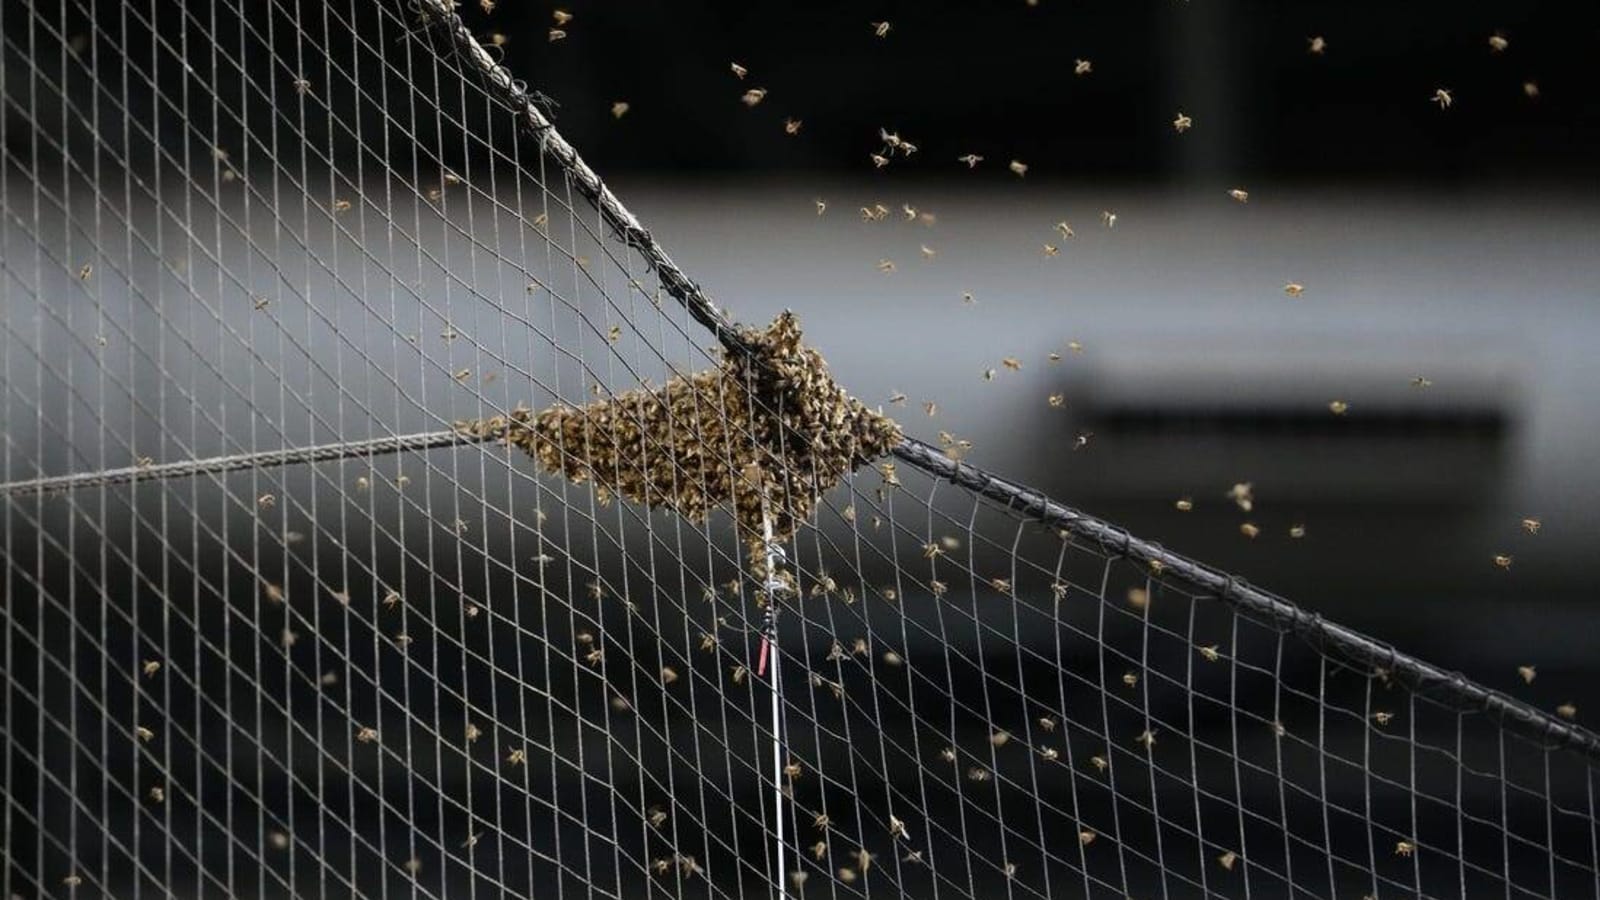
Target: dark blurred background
{"type": "Point", "coordinates": [1447, 257]}
{"type": "Point", "coordinates": [1453, 245]}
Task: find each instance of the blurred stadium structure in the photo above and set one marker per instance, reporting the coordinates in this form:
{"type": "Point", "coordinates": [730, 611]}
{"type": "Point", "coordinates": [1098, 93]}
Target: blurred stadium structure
{"type": "Point", "coordinates": [246, 227]}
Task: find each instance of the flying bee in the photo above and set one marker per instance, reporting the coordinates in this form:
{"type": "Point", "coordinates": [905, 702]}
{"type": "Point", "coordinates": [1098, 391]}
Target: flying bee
{"type": "Point", "coordinates": [302, 86]}
{"type": "Point", "coordinates": [1100, 762]}
{"type": "Point", "coordinates": [931, 408]}
{"type": "Point", "coordinates": [556, 34]}
{"type": "Point", "coordinates": [1503, 560]}
{"type": "Point", "coordinates": [738, 70]}
{"type": "Point", "coordinates": [366, 734]}
{"type": "Point", "coordinates": [978, 773]}
{"type": "Point", "coordinates": [1108, 218]}
{"type": "Point", "coordinates": [1067, 233]}
{"type": "Point", "coordinates": [1019, 167]}
{"type": "Point", "coordinates": [144, 733]}
{"type": "Point", "coordinates": [1528, 673]}
{"type": "Point", "coordinates": [1316, 46]}
{"type": "Point", "coordinates": [1082, 440]}
{"type": "Point", "coordinates": [1182, 123]}
{"type": "Point", "coordinates": [1184, 504]}
{"type": "Point", "coordinates": [1530, 89]}
{"type": "Point", "coordinates": [151, 667]}
{"type": "Point", "coordinates": [1249, 530]}
{"type": "Point", "coordinates": [1138, 597]}
{"type": "Point", "coordinates": [822, 206]}
{"type": "Point", "coordinates": [1082, 67]}
{"type": "Point", "coordinates": [1227, 860]}
{"type": "Point", "coordinates": [819, 849]}
{"type": "Point", "coordinates": [1075, 346]}
{"type": "Point", "coordinates": [1443, 97]}
{"type": "Point", "coordinates": [85, 272]}
{"type": "Point", "coordinates": [878, 161]}
{"type": "Point", "coordinates": [897, 828]}
{"type": "Point", "coordinates": [340, 206]}
{"type": "Point", "coordinates": [1050, 754]}
{"type": "Point", "coordinates": [1058, 400]}
{"type": "Point", "coordinates": [792, 126]}
{"type": "Point", "coordinates": [620, 108]}
{"type": "Point", "coordinates": [1053, 356]}
{"type": "Point", "coordinates": [1404, 848]}
{"type": "Point", "coordinates": [928, 252]}
{"type": "Point", "coordinates": [1243, 495]}
{"type": "Point", "coordinates": [1421, 383]}
{"type": "Point", "coordinates": [517, 757]}
{"type": "Point", "coordinates": [1383, 718]}
{"type": "Point", "coordinates": [881, 29]}
{"type": "Point", "coordinates": [1000, 584]}
{"type": "Point", "coordinates": [886, 266]}
{"type": "Point", "coordinates": [1086, 837]}
{"type": "Point", "coordinates": [1338, 407]}
{"type": "Point", "coordinates": [971, 159]}
{"type": "Point", "coordinates": [753, 97]}
{"type": "Point", "coordinates": [668, 675]}
{"type": "Point", "coordinates": [1000, 738]}
{"type": "Point", "coordinates": [968, 299]}
{"type": "Point", "coordinates": [1531, 525]}
{"type": "Point", "coordinates": [1567, 711]}
{"type": "Point", "coordinates": [1130, 679]}
{"type": "Point", "coordinates": [1240, 194]}
{"type": "Point", "coordinates": [1297, 531]}
{"type": "Point", "coordinates": [1210, 653]}
{"type": "Point", "coordinates": [656, 817]}
{"type": "Point", "coordinates": [1147, 738]}
{"type": "Point", "coordinates": [1051, 250]}
{"type": "Point", "coordinates": [561, 16]}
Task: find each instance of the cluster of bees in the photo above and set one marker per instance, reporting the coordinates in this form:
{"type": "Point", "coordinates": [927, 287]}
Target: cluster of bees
{"type": "Point", "coordinates": [765, 433]}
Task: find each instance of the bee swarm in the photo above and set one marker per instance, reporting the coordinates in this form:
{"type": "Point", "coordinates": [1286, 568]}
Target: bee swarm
{"type": "Point", "coordinates": [768, 432]}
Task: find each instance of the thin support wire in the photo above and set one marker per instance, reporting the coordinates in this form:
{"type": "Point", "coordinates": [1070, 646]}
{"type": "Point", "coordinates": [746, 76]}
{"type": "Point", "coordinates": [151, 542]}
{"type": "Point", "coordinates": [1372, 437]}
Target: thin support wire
{"type": "Point", "coordinates": [769, 653]}
{"type": "Point", "coordinates": [154, 471]}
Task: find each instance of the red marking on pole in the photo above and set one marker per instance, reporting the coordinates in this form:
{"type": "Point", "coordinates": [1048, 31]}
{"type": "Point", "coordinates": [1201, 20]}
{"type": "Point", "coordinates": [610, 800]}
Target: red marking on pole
{"type": "Point", "coordinates": [761, 663]}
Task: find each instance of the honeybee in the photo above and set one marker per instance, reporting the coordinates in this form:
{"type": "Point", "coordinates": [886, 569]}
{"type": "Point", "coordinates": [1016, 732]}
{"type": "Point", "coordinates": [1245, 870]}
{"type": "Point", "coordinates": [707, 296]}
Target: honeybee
{"type": "Point", "coordinates": [1082, 67]}
{"type": "Point", "coordinates": [1249, 529]}
{"type": "Point", "coordinates": [1227, 860]}
{"type": "Point", "coordinates": [1443, 97]}
{"type": "Point", "coordinates": [1210, 653]}
{"type": "Point", "coordinates": [1086, 837]}
{"type": "Point", "coordinates": [753, 97]}
{"type": "Point", "coordinates": [561, 16]}
{"type": "Point", "coordinates": [1528, 673]}
{"type": "Point", "coordinates": [971, 159]}
{"type": "Point", "coordinates": [1182, 123]}
{"type": "Point", "coordinates": [1383, 718]}
{"type": "Point", "coordinates": [1240, 194]}
{"type": "Point", "coordinates": [1338, 407]}
{"type": "Point", "coordinates": [792, 126]}
{"type": "Point", "coordinates": [1184, 504]}
{"type": "Point", "coordinates": [1316, 46]}
{"type": "Point", "coordinates": [1019, 167]}
{"type": "Point", "coordinates": [738, 70]}
{"type": "Point", "coordinates": [881, 29]}
{"type": "Point", "coordinates": [620, 109]}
